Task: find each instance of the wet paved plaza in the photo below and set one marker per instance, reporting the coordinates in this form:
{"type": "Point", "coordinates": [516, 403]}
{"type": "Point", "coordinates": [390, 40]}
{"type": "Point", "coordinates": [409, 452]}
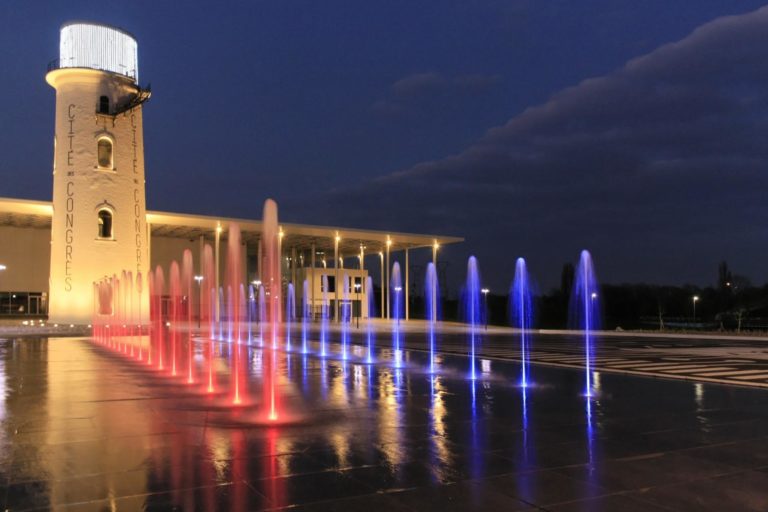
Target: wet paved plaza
{"type": "Point", "coordinates": [84, 428]}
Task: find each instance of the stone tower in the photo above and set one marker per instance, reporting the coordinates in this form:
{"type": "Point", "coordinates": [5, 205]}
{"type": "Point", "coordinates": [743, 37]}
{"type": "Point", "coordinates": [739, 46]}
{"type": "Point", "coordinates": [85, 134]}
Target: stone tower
{"type": "Point", "coordinates": [99, 223]}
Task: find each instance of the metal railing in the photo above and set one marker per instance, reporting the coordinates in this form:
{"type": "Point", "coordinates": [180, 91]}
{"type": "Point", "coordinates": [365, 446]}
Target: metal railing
{"type": "Point", "coordinates": [56, 64]}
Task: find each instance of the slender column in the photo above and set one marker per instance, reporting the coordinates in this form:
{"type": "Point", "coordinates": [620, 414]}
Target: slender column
{"type": "Point", "coordinates": [281, 259]}
{"type": "Point", "coordinates": [259, 261]}
{"type": "Point", "coordinates": [216, 274]}
{"type": "Point", "coordinates": [435, 298]}
{"type": "Point", "coordinates": [381, 257]}
{"type": "Point", "coordinates": [312, 279]}
{"type": "Point", "coordinates": [407, 282]}
{"type": "Point", "coordinates": [362, 294]}
{"type": "Point", "coordinates": [336, 241]}
{"type": "Point", "coordinates": [200, 272]}
{"type": "Point", "coordinates": [244, 263]}
{"type": "Point", "coordinates": [200, 256]}
{"type": "Point", "coordinates": [340, 286]}
{"type": "Point", "coordinates": [386, 270]}
{"type": "Point", "coordinates": [293, 267]}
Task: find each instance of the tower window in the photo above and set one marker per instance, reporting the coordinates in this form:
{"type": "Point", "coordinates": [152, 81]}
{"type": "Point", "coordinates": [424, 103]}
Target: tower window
{"type": "Point", "coordinates": [105, 224]}
{"type": "Point", "coordinates": [103, 105]}
{"type": "Point", "coordinates": [105, 153]}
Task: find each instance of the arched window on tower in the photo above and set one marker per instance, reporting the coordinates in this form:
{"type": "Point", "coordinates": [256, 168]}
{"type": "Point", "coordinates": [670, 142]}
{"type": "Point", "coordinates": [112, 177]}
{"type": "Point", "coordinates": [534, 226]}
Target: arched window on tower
{"type": "Point", "coordinates": [103, 105]}
{"type": "Point", "coordinates": [105, 153]}
{"type": "Point", "coordinates": [105, 224]}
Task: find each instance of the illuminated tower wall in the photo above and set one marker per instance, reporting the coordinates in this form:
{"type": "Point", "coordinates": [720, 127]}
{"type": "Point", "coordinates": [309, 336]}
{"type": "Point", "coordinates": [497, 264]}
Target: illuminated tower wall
{"type": "Point", "coordinates": [99, 205]}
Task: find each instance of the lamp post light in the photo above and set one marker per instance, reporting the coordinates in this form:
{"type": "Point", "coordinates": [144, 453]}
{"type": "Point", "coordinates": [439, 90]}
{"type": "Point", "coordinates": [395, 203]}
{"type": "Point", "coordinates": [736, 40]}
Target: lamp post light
{"type": "Point", "coordinates": [485, 291]}
{"type": "Point", "coordinates": [199, 280]}
{"type": "Point", "coordinates": [695, 299]}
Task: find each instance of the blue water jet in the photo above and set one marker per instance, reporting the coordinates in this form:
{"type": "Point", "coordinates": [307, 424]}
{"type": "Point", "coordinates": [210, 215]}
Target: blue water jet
{"type": "Point", "coordinates": [344, 317]}
{"type": "Point", "coordinates": [369, 325]}
{"type": "Point", "coordinates": [305, 317]}
{"type": "Point", "coordinates": [431, 293]}
{"type": "Point", "coordinates": [290, 315]}
{"type": "Point", "coordinates": [251, 311]}
{"type": "Point", "coordinates": [221, 313]}
{"type": "Point", "coordinates": [472, 310]}
{"type": "Point", "coordinates": [396, 285]}
{"type": "Point", "coordinates": [584, 311]}
{"type": "Point", "coordinates": [230, 313]}
{"type": "Point", "coordinates": [324, 318]}
{"type": "Point", "coordinates": [522, 316]}
{"type": "Point", "coordinates": [262, 313]}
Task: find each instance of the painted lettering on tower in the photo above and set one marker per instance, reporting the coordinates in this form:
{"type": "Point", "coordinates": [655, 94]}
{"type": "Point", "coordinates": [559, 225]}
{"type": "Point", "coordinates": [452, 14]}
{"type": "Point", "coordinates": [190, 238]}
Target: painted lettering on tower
{"type": "Point", "coordinates": [70, 208]}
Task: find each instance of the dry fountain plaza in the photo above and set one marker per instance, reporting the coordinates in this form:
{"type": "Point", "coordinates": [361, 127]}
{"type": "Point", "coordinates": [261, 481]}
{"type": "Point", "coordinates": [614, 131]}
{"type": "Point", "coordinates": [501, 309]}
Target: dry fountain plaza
{"type": "Point", "coordinates": [271, 397]}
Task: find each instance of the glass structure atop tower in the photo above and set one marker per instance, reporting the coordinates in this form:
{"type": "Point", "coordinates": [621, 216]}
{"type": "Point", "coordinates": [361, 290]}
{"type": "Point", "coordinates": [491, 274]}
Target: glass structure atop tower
{"type": "Point", "coordinates": [97, 46]}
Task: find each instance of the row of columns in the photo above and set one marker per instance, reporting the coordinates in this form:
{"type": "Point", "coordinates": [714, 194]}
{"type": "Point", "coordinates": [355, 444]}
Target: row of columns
{"type": "Point", "coordinates": [385, 270]}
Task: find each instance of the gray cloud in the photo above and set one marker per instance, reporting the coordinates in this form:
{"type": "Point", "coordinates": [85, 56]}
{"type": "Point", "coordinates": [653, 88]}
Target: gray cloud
{"type": "Point", "coordinates": [424, 90]}
{"type": "Point", "coordinates": [658, 167]}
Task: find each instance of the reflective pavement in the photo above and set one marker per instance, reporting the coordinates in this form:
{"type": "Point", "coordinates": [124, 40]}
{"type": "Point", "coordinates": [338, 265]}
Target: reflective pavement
{"type": "Point", "coordinates": [84, 428]}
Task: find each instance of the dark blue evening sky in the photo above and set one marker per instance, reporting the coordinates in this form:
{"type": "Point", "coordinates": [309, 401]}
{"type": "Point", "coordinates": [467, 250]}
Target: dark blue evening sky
{"type": "Point", "coordinates": [297, 100]}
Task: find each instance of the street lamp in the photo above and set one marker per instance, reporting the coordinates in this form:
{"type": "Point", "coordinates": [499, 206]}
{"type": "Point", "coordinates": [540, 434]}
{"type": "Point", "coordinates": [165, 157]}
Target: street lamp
{"type": "Point", "coordinates": [485, 291]}
{"type": "Point", "coordinates": [695, 300]}
{"type": "Point", "coordinates": [199, 280]}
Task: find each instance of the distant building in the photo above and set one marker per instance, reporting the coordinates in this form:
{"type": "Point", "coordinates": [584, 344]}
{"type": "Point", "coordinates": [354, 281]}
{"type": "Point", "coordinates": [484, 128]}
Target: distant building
{"type": "Point", "coordinates": [97, 224]}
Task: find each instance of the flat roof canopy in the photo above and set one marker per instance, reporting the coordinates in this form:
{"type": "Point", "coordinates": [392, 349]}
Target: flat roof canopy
{"type": "Point", "coordinates": [37, 214]}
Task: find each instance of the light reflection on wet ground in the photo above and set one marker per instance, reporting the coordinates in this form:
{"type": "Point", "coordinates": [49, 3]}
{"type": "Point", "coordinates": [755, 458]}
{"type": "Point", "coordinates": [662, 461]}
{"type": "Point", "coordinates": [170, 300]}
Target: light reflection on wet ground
{"type": "Point", "coordinates": [82, 428]}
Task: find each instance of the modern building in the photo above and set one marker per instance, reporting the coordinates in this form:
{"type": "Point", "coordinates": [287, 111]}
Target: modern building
{"type": "Point", "coordinates": [97, 224]}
